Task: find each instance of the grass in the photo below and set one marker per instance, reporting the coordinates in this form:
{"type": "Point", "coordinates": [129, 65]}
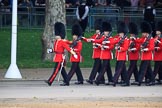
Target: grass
{"type": "Point", "coordinates": [29, 50]}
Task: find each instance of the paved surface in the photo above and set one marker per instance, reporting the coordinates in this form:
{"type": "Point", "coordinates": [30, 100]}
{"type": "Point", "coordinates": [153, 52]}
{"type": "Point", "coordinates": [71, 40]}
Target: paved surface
{"type": "Point", "coordinates": [38, 89]}
{"type": "Point", "coordinates": [32, 86]}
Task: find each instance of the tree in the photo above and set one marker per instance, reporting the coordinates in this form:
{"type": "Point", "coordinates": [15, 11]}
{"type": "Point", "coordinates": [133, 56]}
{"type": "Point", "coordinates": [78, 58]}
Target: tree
{"type": "Point", "coordinates": [55, 12]}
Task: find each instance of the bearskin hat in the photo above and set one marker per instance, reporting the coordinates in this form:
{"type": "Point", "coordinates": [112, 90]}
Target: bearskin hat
{"type": "Point", "coordinates": [133, 29]}
{"type": "Point", "coordinates": [146, 27]}
{"type": "Point", "coordinates": [106, 26]}
{"type": "Point", "coordinates": [60, 29]}
{"type": "Point", "coordinates": [159, 26]}
{"type": "Point", "coordinates": [77, 30]}
{"type": "Point", "coordinates": [122, 27]}
{"type": "Point", "coordinates": [98, 24]}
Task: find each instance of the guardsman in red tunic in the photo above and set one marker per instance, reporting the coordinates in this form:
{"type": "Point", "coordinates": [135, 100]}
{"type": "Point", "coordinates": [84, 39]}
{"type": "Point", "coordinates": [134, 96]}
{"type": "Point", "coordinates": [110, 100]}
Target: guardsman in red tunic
{"type": "Point", "coordinates": [105, 43]}
{"type": "Point", "coordinates": [121, 54]}
{"type": "Point", "coordinates": [76, 45]}
{"type": "Point", "coordinates": [147, 46]}
{"type": "Point", "coordinates": [133, 52]}
{"type": "Point", "coordinates": [116, 38]}
{"type": "Point", "coordinates": [96, 52]}
{"type": "Point", "coordinates": [158, 52]}
{"type": "Point", "coordinates": [59, 46]}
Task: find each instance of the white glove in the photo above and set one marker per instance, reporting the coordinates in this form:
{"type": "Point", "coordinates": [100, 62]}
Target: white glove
{"type": "Point", "coordinates": [158, 41]}
{"type": "Point", "coordinates": [83, 37]}
{"type": "Point", "coordinates": [75, 56]}
{"type": "Point", "coordinates": [105, 42]}
{"type": "Point", "coordinates": [98, 44]}
{"type": "Point", "coordinates": [49, 50]}
{"type": "Point", "coordinates": [91, 40]}
{"type": "Point", "coordinates": [88, 40]}
{"type": "Point", "coordinates": [117, 47]}
{"type": "Point", "coordinates": [145, 49]}
{"type": "Point", "coordinates": [132, 38]}
{"type": "Point", "coordinates": [105, 47]}
{"type": "Point", "coordinates": [132, 49]}
{"type": "Point", "coordinates": [156, 48]}
{"type": "Point", "coordinates": [63, 57]}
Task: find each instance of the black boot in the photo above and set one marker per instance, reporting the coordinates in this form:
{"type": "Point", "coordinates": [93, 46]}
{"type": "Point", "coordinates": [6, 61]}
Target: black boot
{"type": "Point", "coordinates": [64, 84]}
{"type": "Point", "coordinates": [134, 83]}
{"type": "Point", "coordinates": [109, 83]}
{"type": "Point", "coordinates": [96, 82]}
{"type": "Point", "coordinates": [89, 81]}
{"type": "Point", "coordinates": [79, 82]}
{"type": "Point", "coordinates": [125, 84]}
{"type": "Point", "coordinates": [49, 84]}
{"type": "Point", "coordinates": [139, 84]}
{"type": "Point", "coordinates": [114, 84]}
{"type": "Point", "coordinates": [150, 84]}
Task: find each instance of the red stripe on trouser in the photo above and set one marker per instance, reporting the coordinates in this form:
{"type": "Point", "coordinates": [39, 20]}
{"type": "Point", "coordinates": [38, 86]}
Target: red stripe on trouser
{"type": "Point", "coordinates": [55, 73]}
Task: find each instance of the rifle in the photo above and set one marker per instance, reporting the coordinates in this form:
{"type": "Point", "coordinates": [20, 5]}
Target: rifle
{"type": "Point", "coordinates": [96, 46]}
{"type": "Point", "coordinates": [156, 43]}
{"type": "Point", "coordinates": [144, 45]}
{"type": "Point", "coordinates": [106, 39]}
{"type": "Point", "coordinates": [100, 35]}
{"type": "Point", "coordinates": [75, 42]}
{"type": "Point", "coordinates": [121, 41]}
{"type": "Point", "coordinates": [132, 44]}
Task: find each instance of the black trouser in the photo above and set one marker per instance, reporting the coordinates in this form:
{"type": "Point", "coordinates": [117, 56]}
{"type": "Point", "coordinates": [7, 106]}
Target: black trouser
{"type": "Point", "coordinates": [96, 68]}
{"type": "Point", "coordinates": [133, 69]}
{"type": "Point", "coordinates": [120, 68]}
{"type": "Point", "coordinates": [158, 69]}
{"type": "Point", "coordinates": [122, 77]}
{"type": "Point", "coordinates": [105, 68]}
{"type": "Point", "coordinates": [75, 68]}
{"type": "Point", "coordinates": [83, 24]}
{"type": "Point", "coordinates": [55, 72]}
{"type": "Point", "coordinates": [145, 69]}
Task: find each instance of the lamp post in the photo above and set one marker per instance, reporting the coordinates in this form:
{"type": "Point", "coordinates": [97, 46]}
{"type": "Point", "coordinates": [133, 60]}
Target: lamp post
{"type": "Point", "coordinates": [13, 71]}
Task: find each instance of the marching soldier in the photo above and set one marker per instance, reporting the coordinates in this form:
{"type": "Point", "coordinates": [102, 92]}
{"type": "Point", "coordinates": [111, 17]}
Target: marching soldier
{"type": "Point", "coordinates": [133, 52]}
{"type": "Point", "coordinates": [121, 54]}
{"type": "Point", "coordinates": [76, 45]}
{"type": "Point", "coordinates": [158, 52]}
{"type": "Point", "coordinates": [96, 52]}
{"type": "Point", "coordinates": [106, 45]}
{"type": "Point", "coordinates": [147, 46]}
{"type": "Point", "coordinates": [59, 46]}
{"type": "Point", "coordinates": [117, 37]}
